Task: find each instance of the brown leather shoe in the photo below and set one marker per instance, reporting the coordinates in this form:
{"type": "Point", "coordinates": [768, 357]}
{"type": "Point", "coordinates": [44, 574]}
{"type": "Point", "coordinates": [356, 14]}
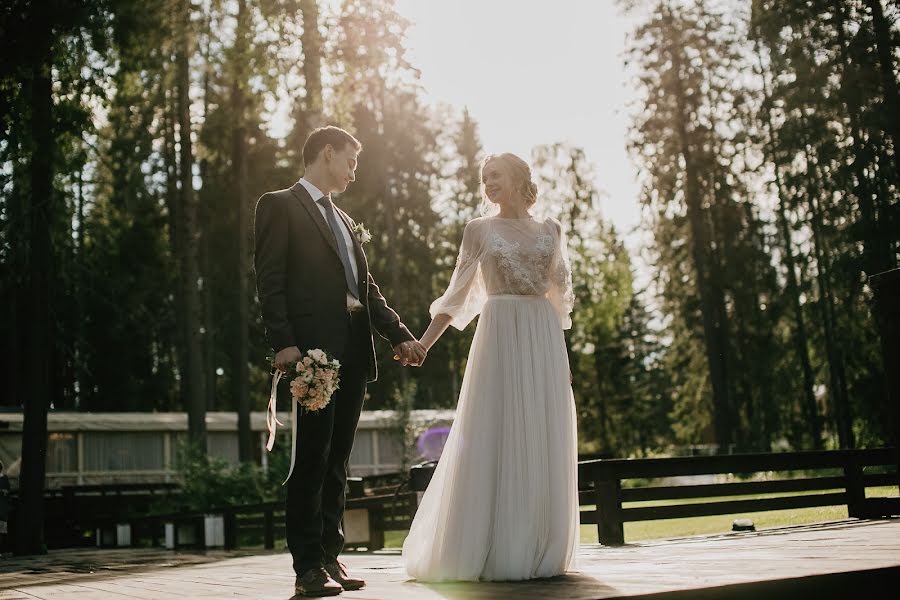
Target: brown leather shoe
{"type": "Point", "coordinates": [338, 572]}
{"type": "Point", "coordinates": [316, 583]}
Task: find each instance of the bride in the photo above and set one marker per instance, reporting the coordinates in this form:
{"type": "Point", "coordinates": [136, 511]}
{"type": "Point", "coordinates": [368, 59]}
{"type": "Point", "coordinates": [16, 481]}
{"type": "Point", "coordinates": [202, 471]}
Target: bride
{"type": "Point", "coordinates": [503, 502]}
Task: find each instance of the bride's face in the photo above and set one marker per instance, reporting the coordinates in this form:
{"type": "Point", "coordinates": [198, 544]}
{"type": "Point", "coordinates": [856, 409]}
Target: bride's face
{"type": "Point", "coordinates": [497, 184]}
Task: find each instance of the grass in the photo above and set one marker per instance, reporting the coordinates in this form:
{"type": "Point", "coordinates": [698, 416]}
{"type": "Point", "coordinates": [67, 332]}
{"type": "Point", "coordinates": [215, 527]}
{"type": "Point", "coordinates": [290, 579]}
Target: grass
{"type": "Point", "coordinates": [669, 528]}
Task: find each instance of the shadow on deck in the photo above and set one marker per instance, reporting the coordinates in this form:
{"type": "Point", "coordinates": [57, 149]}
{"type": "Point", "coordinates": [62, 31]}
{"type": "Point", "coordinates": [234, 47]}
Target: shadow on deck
{"type": "Point", "coordinates": [829, 560]}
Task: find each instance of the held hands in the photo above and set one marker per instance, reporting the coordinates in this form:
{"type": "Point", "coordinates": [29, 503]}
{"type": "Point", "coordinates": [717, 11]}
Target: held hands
{"type": "Point", "coordinates": [410, 353]}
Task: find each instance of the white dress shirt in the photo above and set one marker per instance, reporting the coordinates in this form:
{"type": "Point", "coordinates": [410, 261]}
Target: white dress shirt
{"type": "Point", "coordinates": [316, 193]}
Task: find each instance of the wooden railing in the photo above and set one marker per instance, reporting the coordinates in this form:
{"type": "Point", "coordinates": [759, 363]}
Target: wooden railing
{"type": "Point", "coordinates": [264, 522]}
{"type": "Point", "coordinates": [843, 482]}
{"type": "Point", "coordinates": [600, 483]}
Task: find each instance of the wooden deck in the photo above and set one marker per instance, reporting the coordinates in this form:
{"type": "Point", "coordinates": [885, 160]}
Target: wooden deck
{"type": "Point", "coordinates": [829, 560]}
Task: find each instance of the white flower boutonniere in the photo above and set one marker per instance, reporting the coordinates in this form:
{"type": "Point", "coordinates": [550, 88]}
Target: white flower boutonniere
{"type": "Point", "coordinates": [361, 233]}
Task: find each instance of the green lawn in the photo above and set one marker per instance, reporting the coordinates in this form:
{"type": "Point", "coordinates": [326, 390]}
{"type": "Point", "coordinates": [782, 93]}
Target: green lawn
{"type": "Point", "coordinates": [647, 530]}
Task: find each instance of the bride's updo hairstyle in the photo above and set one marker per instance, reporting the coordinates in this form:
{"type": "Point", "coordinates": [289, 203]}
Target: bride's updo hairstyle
{"type": "Point", "coordinates": [519, 172]}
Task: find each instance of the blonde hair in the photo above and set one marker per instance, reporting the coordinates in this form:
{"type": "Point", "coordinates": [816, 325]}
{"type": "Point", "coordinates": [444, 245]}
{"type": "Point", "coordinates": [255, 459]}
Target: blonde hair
{"type": "Point", "coordinates": [520, 173]}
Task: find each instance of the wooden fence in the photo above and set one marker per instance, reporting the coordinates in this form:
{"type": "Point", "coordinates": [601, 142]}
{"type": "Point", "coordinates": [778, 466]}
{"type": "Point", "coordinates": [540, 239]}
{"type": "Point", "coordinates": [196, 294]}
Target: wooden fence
{"type": "Point", "coordinates": [840, 477]}
{"type": "Point", "coordinates": [600, 482]}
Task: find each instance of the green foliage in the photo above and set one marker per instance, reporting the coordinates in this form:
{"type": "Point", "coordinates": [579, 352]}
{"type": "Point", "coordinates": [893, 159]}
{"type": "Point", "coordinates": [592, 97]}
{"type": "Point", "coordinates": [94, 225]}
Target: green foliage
{"type": "Point", "coordinates": [614, 355]}
{"type": "Point", "coordinates": [761, 308]}
{"type": "Point", "coordinates": [766, 140]}
{"type": "Point", "coordinates": [456, 201]}
{"type": "Point", "coordinates": [208, 482]}
{"type": "Point", "coordinates": [401, 426]}
{"type": "Point", "coordinates": [831, 147]}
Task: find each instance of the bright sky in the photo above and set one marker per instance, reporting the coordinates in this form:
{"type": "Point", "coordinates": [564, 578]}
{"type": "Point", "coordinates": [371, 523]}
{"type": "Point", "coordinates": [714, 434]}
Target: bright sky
{"type": "Point", "coordinates": [533, 72]}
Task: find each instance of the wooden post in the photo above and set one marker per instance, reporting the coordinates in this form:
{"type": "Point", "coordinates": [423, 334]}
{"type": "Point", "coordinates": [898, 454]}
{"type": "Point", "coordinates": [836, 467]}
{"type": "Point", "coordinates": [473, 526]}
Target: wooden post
{"type": "Point", "coordinates": [199, 532]}
{"type": "Point", "coordinates": [229, 519]}
{"type": "Point", "coordinates": [79, 445]}
{"type": "Point", "coordinates": [154, 531]}
{"type": "Point", "coordinates": [610, 530]}
{"type": "Point", "coordinates": [856, 490]}
{"type": "Point", "coordinates": [269, 529]}
{"type": "Point", "coordinates": [887, 318]}
{"type": "Point", "coordinates": [376, 529]}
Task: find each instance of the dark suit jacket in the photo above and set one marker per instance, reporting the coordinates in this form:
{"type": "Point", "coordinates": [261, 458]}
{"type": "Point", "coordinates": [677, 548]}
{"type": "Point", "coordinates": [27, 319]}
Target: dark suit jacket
{"type": "Point", "coordinates": [300, 279]}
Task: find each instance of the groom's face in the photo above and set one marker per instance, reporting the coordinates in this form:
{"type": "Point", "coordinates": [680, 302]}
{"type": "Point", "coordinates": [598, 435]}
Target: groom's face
{"type": "Point", "coordinates": [342, 167]}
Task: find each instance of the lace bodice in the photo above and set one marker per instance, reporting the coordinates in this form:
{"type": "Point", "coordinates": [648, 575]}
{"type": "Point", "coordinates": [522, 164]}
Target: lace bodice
{"type": "Point", "coordinates": [522, 257]}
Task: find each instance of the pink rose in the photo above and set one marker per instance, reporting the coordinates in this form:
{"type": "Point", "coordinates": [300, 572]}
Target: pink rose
{"type": "Point", "coordinates": [299, 388]}
{"type": "Point", "coordinates": [318, 356]}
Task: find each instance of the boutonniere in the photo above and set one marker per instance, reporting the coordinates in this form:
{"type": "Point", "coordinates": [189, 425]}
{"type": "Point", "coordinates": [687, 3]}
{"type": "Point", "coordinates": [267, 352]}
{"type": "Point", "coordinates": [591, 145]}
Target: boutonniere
{"type": "Point", "coordinates": [361, 233]}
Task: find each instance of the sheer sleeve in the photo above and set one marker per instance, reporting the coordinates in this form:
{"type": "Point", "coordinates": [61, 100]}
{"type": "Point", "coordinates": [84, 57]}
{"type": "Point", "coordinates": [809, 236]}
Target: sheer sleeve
{"type": "Point", "coordinates": [466, 295]}
{"type": "Point", "coordinates": [560, 292]}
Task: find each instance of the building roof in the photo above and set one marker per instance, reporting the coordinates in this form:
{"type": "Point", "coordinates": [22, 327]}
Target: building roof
{"type": "Point", "coordinates": [178, 421]}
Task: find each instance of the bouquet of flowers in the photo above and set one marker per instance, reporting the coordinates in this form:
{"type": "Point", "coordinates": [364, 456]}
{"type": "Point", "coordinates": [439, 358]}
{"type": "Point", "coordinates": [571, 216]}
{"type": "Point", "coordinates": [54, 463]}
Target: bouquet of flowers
{"type": "Point", "coordinates": [318, 377]}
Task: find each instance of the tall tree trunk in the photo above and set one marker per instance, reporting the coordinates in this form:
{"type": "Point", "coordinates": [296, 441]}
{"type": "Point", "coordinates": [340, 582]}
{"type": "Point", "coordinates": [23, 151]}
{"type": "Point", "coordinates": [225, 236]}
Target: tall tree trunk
{"type": "Point", "coordinates": [718, 250]}
{"type": "Point", "coordinates": [14, 289]}
{"type": "Point", "coordinates": [836, 370]}
{"type": "Point", "coordinates": [800, 337]}
{"type": "Point", "coordinates": [876, 250]}
{"type": "Point", "coordinates": [205, 232]}
{"type": "Point", "coordinates": [175, 212]}
{"type": "Point", "coordinates": [39, 340]}
{"type": "Point", "coordinates": [206, 314]}
{"type": "Point", "coordinates": [712, 327]}
{"type": "Point", "coordinates": [885, 49]}
{"type": "Point", "coordinates": [241, 377]}
{"type": "Point", "coordinates": [78, 348]}
{"type": "Point", "coordinates": [190, 271]}
{"type": "Point", "coordinates": [312, 66]}
{"type": "Point", "coordinates": [308, 110]}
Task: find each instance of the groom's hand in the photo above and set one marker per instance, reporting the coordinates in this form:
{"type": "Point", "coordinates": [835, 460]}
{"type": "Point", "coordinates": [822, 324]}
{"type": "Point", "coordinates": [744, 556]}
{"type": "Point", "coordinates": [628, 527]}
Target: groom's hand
{"type": "Point", "coordinates": [287, 357]}
{"type": "Point", "coordinates": [410, 353]}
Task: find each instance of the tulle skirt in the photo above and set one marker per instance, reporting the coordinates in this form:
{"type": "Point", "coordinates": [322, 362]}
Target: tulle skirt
{"type": "Point", "coordinates": [503, 502]}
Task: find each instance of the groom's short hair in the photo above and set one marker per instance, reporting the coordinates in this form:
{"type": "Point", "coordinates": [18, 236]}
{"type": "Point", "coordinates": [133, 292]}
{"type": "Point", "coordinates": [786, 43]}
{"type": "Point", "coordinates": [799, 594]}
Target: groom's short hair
{"type": "Point", "coordinates": [324, 136]}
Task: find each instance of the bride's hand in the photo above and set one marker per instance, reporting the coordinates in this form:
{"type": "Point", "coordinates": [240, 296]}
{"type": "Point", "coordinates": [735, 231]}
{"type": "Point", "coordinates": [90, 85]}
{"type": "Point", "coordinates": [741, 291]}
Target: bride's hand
{"type": "Point", "coordinates": [422, 352]}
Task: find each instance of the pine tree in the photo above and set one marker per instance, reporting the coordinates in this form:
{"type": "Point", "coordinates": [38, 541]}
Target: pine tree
{"type": "Point", "coordinates": [675, 53]}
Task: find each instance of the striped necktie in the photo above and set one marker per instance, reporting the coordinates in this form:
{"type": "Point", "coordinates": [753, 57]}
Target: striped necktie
{"type": "Point", "coordinates": [352, 285]}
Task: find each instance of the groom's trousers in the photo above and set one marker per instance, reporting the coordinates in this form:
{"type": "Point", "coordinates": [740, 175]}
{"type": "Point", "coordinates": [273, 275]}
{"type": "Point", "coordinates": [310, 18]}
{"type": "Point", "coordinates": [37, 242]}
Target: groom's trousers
{"type": "Point", "coordinates": [316, 489]}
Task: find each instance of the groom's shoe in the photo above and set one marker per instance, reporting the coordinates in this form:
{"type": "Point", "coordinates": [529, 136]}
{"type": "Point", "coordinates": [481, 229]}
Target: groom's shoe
{"type": "Point", "coordinates": [316, 583]}
{"type": "Point", "coordinates": [338, 572]}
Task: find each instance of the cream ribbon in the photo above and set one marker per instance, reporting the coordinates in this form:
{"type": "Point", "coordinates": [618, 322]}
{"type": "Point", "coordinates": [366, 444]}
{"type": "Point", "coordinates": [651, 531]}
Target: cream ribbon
{"type": "Point", "coordinates": [272, 421]}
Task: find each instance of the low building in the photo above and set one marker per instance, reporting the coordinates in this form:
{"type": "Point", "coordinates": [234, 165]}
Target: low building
{"type": "Point", "coordinates": [96, 448]}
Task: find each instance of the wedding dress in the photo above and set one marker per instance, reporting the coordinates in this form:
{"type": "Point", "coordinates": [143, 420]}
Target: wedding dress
{"type": "Point", "coordinates": [503, 503]}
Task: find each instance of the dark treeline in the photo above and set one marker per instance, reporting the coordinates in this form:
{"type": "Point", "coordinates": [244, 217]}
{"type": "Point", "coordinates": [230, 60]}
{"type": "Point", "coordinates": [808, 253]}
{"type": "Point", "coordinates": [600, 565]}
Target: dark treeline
{"type": "Point", "coordinates": [767, 141]}
{"type": "Point", "coordinates": [136, 137]}
{"type": "Point", "coordinates": [162, 134]}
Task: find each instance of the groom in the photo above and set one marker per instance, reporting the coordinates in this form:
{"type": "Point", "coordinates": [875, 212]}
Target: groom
{"type": "Point", "coordinates": [315, 291]}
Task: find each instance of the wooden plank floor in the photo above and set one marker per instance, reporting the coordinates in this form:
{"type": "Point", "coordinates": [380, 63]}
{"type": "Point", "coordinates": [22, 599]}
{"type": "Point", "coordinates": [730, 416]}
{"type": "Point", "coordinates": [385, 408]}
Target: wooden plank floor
{"type": "Point", "coordinates": [739, 565]}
